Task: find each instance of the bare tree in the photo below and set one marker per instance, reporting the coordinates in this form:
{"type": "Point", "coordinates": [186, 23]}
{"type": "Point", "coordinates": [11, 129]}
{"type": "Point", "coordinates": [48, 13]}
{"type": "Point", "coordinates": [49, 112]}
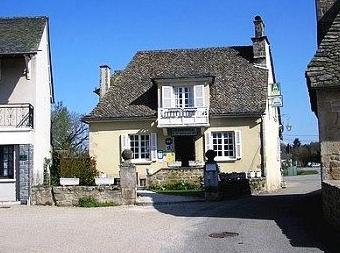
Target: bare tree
{"type": "Point", "coordinates": [69, 133]}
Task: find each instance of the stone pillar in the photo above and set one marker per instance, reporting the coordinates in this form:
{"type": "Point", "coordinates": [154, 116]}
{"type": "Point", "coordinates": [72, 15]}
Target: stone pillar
{"type": "Point", "coordinates": [25, 172]}
{"type": "Point", "coordinates": [128, 179]}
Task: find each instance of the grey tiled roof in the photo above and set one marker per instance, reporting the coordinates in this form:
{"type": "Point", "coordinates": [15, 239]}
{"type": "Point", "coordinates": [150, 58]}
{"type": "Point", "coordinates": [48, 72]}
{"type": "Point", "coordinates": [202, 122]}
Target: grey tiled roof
{"type": "Point", "coordinates": [239, 88]}
{"type": "Point", "coordinates": [324, 69]}
{"type": "Point", "coordinates": [21, 34]}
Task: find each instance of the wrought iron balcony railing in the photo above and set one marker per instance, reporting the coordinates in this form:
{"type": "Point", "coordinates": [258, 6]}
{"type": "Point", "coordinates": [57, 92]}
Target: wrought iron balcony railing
{"type": "Point", "coordinates": [16, 116]}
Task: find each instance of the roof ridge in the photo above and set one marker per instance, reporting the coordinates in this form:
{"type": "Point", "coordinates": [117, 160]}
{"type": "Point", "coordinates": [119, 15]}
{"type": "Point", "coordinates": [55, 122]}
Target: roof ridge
{"type": "Point", "coordinates": [22, 17]}
{"type": "Point", "coordinates": [170, 50]}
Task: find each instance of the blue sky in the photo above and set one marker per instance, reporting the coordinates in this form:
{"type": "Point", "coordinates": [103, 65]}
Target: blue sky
{"type": "Point", "coordinates": [86, 34]}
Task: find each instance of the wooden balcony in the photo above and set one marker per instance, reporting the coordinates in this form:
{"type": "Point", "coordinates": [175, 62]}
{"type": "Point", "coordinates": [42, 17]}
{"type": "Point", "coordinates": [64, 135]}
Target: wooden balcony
{"type": "Point", "coordinates": [16, 116]}
{"type": "Point", "coordinates": [183, 117]}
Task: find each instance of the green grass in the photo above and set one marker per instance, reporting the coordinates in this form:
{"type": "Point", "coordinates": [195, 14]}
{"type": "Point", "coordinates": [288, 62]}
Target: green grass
{"type": "Point", "coordinates": [192, 193]}
{"type": "Point", "coordinates": [92, 202]}
{"type": "Point", "coordinates": [306, 172]}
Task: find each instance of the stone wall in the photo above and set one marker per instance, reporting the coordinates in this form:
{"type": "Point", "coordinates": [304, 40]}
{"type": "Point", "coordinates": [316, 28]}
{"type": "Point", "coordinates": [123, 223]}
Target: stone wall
{"type": "Point", "coordinates": [70, 195]}
{"type": "Point", "coordinates": [329, 127]}
{"type": "Point", "coordinates": [169, 176]}
{"type": "Point", "coordinates": [25, 172]}
{"type": "Point", "coordinates": [331, 202]}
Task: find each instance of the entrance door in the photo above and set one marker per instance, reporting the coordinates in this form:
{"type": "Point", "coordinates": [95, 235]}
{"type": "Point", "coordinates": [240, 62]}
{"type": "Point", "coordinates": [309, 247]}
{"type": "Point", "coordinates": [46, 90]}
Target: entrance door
{"type": "Point", "coordinates": [185, 149]}
{"type": "Point", "coordinates": [7, 179]}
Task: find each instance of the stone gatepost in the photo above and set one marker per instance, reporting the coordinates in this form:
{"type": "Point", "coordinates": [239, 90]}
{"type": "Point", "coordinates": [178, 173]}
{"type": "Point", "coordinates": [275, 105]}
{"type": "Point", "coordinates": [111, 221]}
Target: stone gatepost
{"type": "Point", "coordinates": [128, 179]}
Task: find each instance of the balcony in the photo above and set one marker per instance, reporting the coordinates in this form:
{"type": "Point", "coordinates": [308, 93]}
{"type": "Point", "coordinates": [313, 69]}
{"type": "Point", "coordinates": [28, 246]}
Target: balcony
{"type": "Point", "coordinates": [183, 117]}
{"type": "Point", "coordinates": [16, 116]}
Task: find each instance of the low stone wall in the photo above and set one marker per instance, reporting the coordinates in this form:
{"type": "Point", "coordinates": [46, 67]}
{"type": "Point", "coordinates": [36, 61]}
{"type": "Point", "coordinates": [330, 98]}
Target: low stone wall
{"type": "Point", "coordinates": [331, 202]}
{"type": "Point", "coordinates": [250, 186]}
{"type": "Point", "coordinates": [70, 195]}
{"type": "Point", "coordinates": [169, 176]}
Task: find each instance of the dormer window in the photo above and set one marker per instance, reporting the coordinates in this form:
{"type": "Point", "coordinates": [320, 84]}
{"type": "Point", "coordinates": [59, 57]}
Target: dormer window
{"type": "Point", "coordinates": [184, 97]}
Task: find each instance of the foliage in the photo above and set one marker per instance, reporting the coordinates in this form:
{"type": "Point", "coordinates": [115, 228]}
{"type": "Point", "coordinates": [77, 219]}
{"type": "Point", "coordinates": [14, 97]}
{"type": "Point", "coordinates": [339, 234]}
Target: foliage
{"type": "Point", "coordinates": [69, 133]}
{"type": "Point", "coordinates": [306, 172]}
{"type": "Point", "coordinates": [54, 169]}
{"type": "Point", "coordinates": [92, 202]}
{"type": "Point", "coordinates": [181, 185]}
{"type": "Point", "coordinates": [47, 169]}
{"type": "Point", "coordinates": [81, 166]}
{"type": "Point", "coordinates": [302, 154]}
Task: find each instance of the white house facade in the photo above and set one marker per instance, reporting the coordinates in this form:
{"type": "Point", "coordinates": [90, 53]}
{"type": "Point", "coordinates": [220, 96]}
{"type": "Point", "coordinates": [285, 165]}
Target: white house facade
{"type": "Point", "coordinates": [26, 94]}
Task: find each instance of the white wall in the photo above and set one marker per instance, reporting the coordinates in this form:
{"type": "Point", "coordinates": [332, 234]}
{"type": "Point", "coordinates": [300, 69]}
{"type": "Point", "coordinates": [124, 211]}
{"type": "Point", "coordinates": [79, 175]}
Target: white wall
{"type": "Point", "coordinates": [272, 160]}
{"type": "Point", "coordinates": [42, 110]}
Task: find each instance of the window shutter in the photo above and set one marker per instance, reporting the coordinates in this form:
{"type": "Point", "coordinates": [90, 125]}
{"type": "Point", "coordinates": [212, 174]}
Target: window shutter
{"type": "Point", "coordinates": [238, 144]}
{"type": "Point", "coordinates": [166, 96]}
{"type": "Point", "coordinates": [208, 141]}
{"type": "Point", "coordinates": [124, 142]}
{"type": "Point", "coordinates": [199, 95]}
{"type": "Point", "coordinates": [153, 146]}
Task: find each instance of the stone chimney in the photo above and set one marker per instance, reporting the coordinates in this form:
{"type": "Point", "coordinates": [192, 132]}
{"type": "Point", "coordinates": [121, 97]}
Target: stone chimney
{"type": "Point", "coordinates": [260, 43]}
{"type": "Point", "coordinates": [326, 11]}
{"type": "Point", "coordinates": [105, 79]}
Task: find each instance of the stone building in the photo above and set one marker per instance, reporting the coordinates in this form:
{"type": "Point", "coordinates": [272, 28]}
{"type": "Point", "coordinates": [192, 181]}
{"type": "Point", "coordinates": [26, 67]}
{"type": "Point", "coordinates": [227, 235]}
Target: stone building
{"type": "Point", "coordinates": [26, 93]}
{"type": "Point", "coordinates": [171, 106]}
{"type": "Point", "coordinates": [323, 80]}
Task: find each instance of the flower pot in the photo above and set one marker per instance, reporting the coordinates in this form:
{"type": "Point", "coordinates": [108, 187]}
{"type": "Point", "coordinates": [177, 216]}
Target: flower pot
{"type": "Point", "coordinates": [258, 174]}
{"type": "Point", "coordinates": [65, 181]}
{"type": "Point", "coordinates": [104, 180]}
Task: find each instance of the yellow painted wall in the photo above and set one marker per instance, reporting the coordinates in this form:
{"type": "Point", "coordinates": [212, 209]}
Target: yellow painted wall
{"type": "Point", "coordinates": [105, 144]}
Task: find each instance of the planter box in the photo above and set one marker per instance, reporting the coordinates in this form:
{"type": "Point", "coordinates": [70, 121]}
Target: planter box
{"type": "Point", "coordinates": [64, 181]}
{"type": "Point", "coordinates": [104, 180]}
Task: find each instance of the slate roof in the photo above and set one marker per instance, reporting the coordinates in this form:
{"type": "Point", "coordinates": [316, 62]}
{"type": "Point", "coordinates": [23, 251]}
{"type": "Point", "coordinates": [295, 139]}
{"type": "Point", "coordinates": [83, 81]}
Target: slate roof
{"type": "Point", "coordinates": [239, 88]}
{"type": "Point", "coordinates": [21, 34]}
{"type": "Point", "coordinates": [324, 69]}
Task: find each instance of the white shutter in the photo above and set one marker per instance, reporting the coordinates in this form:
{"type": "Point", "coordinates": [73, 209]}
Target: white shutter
{"type": "Point", "coordinates": [238, 144]}
{"type": "Point", "coordinates": [208, 141]}
{"type": "Point", "coordinates": [153, 146]}
{"type": "Point", "coordinates": [124, 142]}
{"type": "Point", "coordinates": [167, 96]}
{"type": "Point", "coordinates": [199, 95]}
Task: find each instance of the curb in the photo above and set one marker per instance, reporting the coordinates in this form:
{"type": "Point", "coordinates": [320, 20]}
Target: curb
{"type": "Point", "coordinates": [169, 202]}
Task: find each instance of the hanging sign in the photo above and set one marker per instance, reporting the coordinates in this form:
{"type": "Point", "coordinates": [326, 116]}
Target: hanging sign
{"type": "Point", "coordinates": [276, 101]}
{"type": "Point", "coordinates": [275, 89]}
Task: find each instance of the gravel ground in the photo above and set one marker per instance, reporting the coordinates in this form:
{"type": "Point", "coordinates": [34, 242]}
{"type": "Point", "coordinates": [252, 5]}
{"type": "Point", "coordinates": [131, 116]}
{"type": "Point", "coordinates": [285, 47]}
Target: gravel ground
{"type": "Point", "coordinates": [287, 221]}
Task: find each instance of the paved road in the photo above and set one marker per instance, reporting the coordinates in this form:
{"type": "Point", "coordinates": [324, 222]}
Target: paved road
{"type": "Point", "coordinates": [287, 221]}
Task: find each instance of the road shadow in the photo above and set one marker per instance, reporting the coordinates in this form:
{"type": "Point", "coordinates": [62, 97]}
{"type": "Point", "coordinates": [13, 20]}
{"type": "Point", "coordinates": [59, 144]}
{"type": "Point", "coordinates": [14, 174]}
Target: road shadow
{"type": "Point", "coordinates": [299, 216]}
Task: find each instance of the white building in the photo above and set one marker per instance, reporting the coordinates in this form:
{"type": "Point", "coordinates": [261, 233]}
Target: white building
{"type": "Point", "coordinates": [26, 94]}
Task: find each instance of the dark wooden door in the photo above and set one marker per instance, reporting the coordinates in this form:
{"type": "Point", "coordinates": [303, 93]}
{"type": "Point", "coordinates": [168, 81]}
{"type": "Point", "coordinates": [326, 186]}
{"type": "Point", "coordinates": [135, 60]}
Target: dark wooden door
{"type": "Point", "coordinates": [185, 149]}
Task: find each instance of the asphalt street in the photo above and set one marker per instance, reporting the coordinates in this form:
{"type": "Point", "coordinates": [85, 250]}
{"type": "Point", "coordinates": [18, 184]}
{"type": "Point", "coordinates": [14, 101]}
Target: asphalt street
{"type": "Point", "coordinates": [286, 221]}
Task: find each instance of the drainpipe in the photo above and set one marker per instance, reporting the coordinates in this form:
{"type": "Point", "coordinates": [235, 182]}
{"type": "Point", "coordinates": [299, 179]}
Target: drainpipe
{"type": "Point", "coordinates": [263, 143]}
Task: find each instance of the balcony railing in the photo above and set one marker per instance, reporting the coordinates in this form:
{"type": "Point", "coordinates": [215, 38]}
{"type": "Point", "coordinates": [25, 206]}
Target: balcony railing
{"type": "Point", "coordinates": [16, 116]}
{"type": "Point", "coordinates": [177, 117]}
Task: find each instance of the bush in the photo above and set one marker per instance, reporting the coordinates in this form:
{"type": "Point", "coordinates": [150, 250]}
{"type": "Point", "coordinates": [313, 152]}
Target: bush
{"type": "Point", "coordinates": [81, 166]}
{"type": "Point", "coordinates": [55, 169]}
{"type": "Point", "coordinates": [92, 202]}
{"type": "Point", "coordinates": [174, 186]}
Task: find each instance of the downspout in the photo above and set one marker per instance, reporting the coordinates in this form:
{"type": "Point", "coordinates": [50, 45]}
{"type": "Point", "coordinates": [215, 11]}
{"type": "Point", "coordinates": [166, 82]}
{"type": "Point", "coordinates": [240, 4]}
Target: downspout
{"type": "Point", "coordinates": [262, 150]}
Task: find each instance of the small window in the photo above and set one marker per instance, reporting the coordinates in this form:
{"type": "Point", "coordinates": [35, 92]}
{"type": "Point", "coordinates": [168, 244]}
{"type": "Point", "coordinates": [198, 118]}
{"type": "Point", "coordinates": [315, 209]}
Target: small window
{"type": "Point", "coordinates": [142, 182]}
{"type": "Point", "coordinates": [224, 144]}
{"type": "Point", "coordinates": [7, 162]}
{"type": "Point", "coordinates": [140, 146]}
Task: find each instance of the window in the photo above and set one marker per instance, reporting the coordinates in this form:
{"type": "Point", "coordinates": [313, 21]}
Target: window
{"type": "Point", "coordinates": [7, 162]}
{"type": "Point", "coordinates": [224, 144]}
{"type": "Point", "coordinates": [227, 144]}
{"type": "Point", "coordinates": [184, 97]}
{"type": "Point", "coordinates": [140, 146]}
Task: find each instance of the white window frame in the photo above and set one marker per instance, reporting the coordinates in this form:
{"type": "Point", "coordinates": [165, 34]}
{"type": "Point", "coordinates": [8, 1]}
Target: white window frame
{"type": "Point", "coordinates": [126, 144]}
{"type": "Point", "coordinates": [183, 91]}
{"type": "Point", "coordinates": [237, 147]}
{"type": "Point", "coordinates": [139, 141]}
